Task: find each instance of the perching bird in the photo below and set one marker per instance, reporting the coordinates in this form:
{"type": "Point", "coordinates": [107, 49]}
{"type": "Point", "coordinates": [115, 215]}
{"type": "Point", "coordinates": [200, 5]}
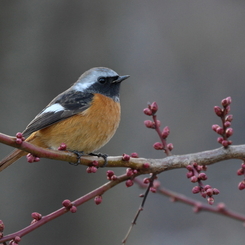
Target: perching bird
{"type": "Point", "coordinates": [84, 117]}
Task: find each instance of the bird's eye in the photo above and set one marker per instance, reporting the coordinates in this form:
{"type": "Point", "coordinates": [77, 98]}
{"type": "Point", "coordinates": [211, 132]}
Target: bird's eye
{"type": "Point", "coordinates": [101, 80]}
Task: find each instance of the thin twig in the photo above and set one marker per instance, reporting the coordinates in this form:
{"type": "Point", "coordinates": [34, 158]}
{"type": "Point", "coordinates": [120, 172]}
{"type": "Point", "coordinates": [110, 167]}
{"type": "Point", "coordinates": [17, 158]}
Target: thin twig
{"type": "Point", "coordinates": [140, 208]}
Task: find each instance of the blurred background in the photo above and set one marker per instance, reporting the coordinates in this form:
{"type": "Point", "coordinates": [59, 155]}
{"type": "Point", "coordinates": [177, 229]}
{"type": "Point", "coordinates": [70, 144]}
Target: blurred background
{"type": "Point", "coordinates": [186, 55]}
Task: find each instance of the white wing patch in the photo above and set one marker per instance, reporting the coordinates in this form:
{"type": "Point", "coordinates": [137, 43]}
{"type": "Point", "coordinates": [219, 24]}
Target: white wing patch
{"type": "Point", "coordinates": [54, 108]}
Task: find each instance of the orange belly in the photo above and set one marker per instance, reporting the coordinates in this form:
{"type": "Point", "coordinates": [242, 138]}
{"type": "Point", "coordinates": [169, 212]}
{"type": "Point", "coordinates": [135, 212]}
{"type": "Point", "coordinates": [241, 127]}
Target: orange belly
{"type": "Point", "coordinates": [87, 131]}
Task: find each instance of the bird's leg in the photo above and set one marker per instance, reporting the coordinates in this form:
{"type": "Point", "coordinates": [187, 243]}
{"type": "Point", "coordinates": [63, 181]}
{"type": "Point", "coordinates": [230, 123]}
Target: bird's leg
{"type": "Point", "coordinates": [103, 155]}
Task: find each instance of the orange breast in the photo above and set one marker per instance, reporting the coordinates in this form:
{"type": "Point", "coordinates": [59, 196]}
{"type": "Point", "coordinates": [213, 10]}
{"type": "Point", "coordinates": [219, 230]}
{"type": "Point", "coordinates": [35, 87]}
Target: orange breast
{"type": "Point", "coordinates": [87, 131]}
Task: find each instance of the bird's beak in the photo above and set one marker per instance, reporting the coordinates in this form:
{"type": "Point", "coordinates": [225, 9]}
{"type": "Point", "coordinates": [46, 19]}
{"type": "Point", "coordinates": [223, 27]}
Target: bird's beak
{"type": "Point", "coordinates": [121, 78]}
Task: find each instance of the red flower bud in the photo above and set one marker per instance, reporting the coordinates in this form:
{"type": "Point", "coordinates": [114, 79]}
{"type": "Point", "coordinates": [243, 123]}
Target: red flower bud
{"type": "Point", "coordinates": [240, 171]}
{"type": "Point", "coordinates": [196, 189]}
{"type": "Point", "coordinates": [203, 194]}
{"type": "Point", "coordinates": [215, 191]}
{"type": "Point", "coordinates": [98, 200]}
{"type": "Point", "coordinates": [221, 206]}
{"type": "Point", "coordinates": [207, 187]}
{"type": "Point", "coordinates": [18, 141]}
{"type": "Point", "coordinates": [209, 192]}
{"type": "Point", "coordinates": [146, 180]}
{"type": "Point", "coordinates": [67, 203]}
{"type": "Point", "coordinates": [149, 124]}
{"type": "Point", "coordinates": [227, 124]}
{"type": "Point", "coordinates": [170, 146]}
{"type": "Point", "coordinates": [125, 157]}
{"type": "Point", "coordinates": [225, 143]}
{"type": "Point", "coordinates": [225, 102]}
{"type": "Point", "coordinates": [17, 239]}
{"type": "Point", "coordinates": [73, 209]}
{"type": "Point", "coordinates": [95, 163]}
{"type": "Point", "coordinates": [241, 185]}
{"type": "Point", "coordinates": [30, 158]}
{"type": "Point", "coordinates": [165, 132]}
{"type": "Point", "coordinates": [146, 165]}
{"type": "Point", "coordinates": [134, 155]}
{"type": "Point", "coordinates": [113, 177]}
{"type": "Point", "coordinates": [158, 146]}
{"type": "Point", "coordinates": [19, 135]}
{"type": "Point", "coordinates": [147, 111]}
{"type": "Point", "coordinates": [154, 107]}
{"type": "Point", "coordinates": [220, 139]}
{"type": "Point", "coordinates": [229, 118]}
{"type": "Point", "coordinates": [202, 176]}
{"type": "Point", "coordinates": [36, 216]}
{"type": "Point", "coordinates": [227, 110]}
{"type": "Point", "coordinates": [93, 169]}
{"type": "Point", "coordinates": [194, 179]}
{"type": "Point", "coordinates": [109, 173]}
{"type": "Point", "coordinates": [158, 123]}
{"type": "Point", "coordinates": [135, 171]}
{"type": "Point", "coordinates": [229, 132]}
{"type": "Point", "coordinates": [62, 147]}
{"type": "Point", "coordinates": [214, 127]}
{"type": "Point", "coordinates": [129, 172]}
{"type": "Point", "coordinates": [189, 174]}
{"type": "Point", "coordinates": [220, 130]}
{"type": "Point", "coordinates": [218, 111]}
{"type": "Point", "coordinates": [88, 170]}
{"type": "Point", "coordinates": [210, 200]}
{"type": "Point", "coordinates": [129, 183]}
{"type": "Point", "coordinates": [153, 190]}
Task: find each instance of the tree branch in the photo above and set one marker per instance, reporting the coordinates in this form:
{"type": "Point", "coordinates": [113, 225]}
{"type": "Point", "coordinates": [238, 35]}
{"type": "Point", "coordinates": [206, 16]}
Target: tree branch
{"type": "Point", "coordinates": [156, 165]}
{"type": "Point", "coordinates": [198, 206]}
{"type": "Point", "coordinates": [45, 219]}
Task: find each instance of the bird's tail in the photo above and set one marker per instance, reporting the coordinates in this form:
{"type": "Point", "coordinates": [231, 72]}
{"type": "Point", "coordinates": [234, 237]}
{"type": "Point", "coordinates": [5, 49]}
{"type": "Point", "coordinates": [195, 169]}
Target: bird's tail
{"type": "Point", "coordinates": [8, 160]}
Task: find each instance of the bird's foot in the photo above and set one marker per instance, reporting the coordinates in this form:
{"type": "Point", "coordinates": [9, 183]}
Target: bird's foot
{"type": "Point", "coordinates": [103, 155]}
{"type": "Point", "coordinates": [79, 154]}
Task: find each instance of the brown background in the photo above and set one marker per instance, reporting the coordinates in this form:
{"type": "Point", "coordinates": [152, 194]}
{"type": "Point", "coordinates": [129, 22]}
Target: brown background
{"type": "Point", "coordinates": [186, 55]}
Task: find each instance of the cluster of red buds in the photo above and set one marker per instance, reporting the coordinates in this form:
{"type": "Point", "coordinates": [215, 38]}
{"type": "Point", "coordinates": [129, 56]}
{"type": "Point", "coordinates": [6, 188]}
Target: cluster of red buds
{"type": "Point", "coordinates": [93, 168]}
{"type": "Point", "coordinates": [69, 206]}
{"type": "Point", "coordinates": [111, 175]}
{"type": "Point", "coordinates": [15, 241]}
{"type": "Point", "coordinates": [196, 176]}
{"type": "Point", "coordinates": [31, 158]}
{"type": "Point", "coordinates": [126, 157]}
{"type": "Point", "coordinates": [225, 131]}
{"type": "Point", "coordinates": [151, 109]}
{"type": "Point", "coordinates": [155, 124]}
{"type": "Point", "coordinates": [19, 138]}
{"type": "Point", "coordinates": [241, 171]}
{"type": "Point", "coordinates": [130, 173]}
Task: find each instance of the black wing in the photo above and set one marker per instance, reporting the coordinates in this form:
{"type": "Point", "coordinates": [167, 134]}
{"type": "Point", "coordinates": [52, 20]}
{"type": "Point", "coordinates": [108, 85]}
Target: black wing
{"type": "Point", "coordinates": [65, 105]}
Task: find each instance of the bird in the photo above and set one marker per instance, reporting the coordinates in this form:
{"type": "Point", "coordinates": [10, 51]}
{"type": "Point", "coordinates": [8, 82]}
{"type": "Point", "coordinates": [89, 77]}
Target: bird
{"type": "Point", "coordinates": [84, 117]}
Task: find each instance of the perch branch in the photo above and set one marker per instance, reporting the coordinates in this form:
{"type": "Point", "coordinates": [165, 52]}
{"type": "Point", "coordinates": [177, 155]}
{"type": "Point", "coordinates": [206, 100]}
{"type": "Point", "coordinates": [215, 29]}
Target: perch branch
{"type": "Point", "coordinates": [156, 165]}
